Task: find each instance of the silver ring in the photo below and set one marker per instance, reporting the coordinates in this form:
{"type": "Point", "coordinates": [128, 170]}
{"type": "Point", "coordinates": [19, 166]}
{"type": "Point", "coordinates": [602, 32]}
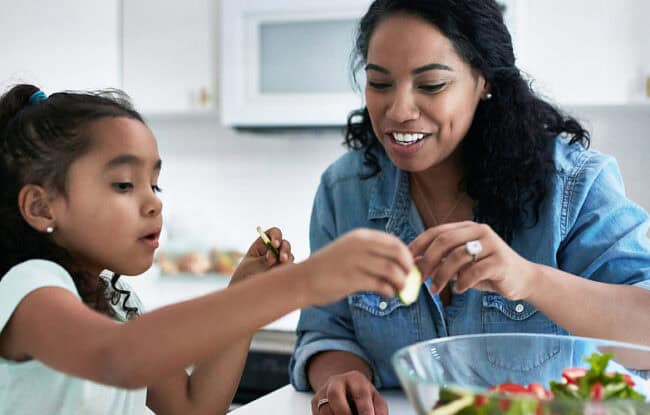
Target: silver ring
{"type": "Point", "coordinates": [321, 402]}
{"type": "Point", "coordinates": [473, 248]}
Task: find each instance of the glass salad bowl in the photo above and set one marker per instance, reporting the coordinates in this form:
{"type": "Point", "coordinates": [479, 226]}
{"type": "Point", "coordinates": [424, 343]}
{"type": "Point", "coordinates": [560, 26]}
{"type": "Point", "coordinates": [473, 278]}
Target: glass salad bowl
{"type": "Point", "coordinates": [522, 374]}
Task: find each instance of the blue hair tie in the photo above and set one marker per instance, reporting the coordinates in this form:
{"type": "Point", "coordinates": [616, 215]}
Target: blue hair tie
{"type": "Point", "coordinates": [37, 96]}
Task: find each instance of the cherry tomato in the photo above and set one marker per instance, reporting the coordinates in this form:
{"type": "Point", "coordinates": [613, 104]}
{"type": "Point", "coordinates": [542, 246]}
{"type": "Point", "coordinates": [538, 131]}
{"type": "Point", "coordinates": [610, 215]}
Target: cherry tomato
{"type": "Point", "coordinates": [539, 391]}
{"type": "Point", "coordinates": [573, 374]}
{"type": "Point", "coordinates": [597, 391]}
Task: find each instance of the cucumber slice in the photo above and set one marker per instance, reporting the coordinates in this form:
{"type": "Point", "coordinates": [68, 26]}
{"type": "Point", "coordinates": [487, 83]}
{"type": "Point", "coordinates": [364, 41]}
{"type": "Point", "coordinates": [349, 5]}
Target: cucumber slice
{"type": "Point", "coordinates": [267, 242]}
{"type": "Point", "coordinates": [412, 286]}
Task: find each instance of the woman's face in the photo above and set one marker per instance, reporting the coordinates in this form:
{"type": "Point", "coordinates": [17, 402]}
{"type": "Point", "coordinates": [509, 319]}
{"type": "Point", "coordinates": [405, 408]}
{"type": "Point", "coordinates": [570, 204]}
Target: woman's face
{"type": "Point", "coordinates": [420, 94]}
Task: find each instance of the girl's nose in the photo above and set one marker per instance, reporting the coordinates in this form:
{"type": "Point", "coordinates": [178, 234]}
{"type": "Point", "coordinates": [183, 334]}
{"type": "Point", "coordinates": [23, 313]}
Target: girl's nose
{"type": "Point", "coordinates": [153, 206]}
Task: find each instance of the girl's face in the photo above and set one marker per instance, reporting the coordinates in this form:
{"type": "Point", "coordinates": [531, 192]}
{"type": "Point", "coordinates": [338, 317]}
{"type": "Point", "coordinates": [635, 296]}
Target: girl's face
{"type": "Point", "coordinates": [111, 216]}
{"type": "Point", "coordinates": [420, 94]}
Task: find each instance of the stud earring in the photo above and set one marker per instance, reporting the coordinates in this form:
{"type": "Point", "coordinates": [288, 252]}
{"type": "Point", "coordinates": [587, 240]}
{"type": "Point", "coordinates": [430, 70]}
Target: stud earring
{"type": "Point", "coordinates": [488, 95]}
{"type": "Point", "coordinates": [49, 229]}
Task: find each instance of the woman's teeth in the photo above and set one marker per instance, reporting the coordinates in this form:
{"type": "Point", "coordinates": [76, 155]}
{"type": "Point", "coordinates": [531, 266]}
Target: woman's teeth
{"type": "Point", "coordinates": [407, 139]}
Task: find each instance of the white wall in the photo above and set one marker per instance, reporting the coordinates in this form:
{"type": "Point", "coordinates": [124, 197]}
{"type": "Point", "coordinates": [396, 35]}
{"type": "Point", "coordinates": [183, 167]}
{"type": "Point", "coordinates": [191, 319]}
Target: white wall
{"type": "Point", "coordinates": [219, 184]}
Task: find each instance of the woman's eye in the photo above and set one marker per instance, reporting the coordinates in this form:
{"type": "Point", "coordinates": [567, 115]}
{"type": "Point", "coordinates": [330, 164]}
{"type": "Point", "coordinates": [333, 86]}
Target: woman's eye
{"type": "Point", "coordinates": [378, 85]}
{"type": "Point", "coordinates": [156, 188]}
{"type": "Point", "coordinates": [432, 87]}
{"type": "Point", "coordinates": [123, 187]}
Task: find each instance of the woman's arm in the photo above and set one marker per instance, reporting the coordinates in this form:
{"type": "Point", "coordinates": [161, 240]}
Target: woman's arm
{"type": "Point", "coordinates": [326, 364]}
{"type": "Point", "coordinates": [592, 309]}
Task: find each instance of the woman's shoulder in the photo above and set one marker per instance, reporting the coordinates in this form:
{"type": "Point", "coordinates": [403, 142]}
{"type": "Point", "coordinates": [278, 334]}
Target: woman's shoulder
{"type": "Point", "coordinates": [574, 161]}
{"type": "Point", "coordinates": [351, 167]}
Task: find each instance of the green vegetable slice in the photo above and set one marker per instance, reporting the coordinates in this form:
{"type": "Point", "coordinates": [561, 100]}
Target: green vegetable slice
{"type": "Point", "coordinates": [412, 286]}
{"type": "Point", "coordinates": [267, 242]}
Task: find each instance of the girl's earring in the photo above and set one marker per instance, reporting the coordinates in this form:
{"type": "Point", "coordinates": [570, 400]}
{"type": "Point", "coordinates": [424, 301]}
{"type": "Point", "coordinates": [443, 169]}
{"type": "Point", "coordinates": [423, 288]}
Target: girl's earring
{"type": "Point", "coordinates": [488, 95]}
{"type": "Point", "coordinates": [49, 229]}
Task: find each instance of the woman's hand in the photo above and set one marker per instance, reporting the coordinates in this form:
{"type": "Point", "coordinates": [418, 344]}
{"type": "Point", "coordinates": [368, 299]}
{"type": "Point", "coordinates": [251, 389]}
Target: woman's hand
{"type": "Point", "coordinates": [346, 394]}
{"type": "Point", "coordinates": [361, 260]}
{"type": "Point", "coordinates": [259, 258]}
{"type": "Point", "coordinates": [445, 256]}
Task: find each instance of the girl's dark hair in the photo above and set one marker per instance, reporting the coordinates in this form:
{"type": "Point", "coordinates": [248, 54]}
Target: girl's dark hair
{"type": "Point", "coordinates": [507, 152]}
{"type": "Point", "coordinates": [38, 143]}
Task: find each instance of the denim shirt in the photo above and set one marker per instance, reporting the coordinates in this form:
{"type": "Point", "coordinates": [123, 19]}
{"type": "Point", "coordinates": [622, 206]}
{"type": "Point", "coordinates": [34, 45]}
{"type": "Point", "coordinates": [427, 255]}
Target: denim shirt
{"type": "Point", "coordinates": [587, 227]}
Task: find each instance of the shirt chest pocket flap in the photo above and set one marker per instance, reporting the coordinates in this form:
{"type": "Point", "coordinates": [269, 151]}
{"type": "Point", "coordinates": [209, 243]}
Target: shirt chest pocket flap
{"type": "Point", "coordinates": [500, 315]}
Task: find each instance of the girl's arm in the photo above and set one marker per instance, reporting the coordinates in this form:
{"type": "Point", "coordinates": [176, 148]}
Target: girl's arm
{"type": "Point", "coordinates": [53, 326]}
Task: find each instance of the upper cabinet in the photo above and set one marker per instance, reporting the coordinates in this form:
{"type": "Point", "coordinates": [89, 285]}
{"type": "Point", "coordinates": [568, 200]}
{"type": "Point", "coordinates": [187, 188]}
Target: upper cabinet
{"type": "Point", "coordinates": [169, 54]}
{"type": "Point", "coordinates": [585, 52]}
{"type": "Point", "coordinates": [71, 44]}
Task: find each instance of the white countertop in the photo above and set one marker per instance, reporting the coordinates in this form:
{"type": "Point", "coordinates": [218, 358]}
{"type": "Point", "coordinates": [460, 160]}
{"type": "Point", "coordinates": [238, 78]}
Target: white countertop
{"type": "Point", "coordinates": [287, 401]}
{"type": "Point", "coordinates": [157, 290]}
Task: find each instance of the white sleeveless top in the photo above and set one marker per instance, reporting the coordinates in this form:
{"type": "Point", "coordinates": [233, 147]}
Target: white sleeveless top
{"type": "Point", "coordinates": [33, 388]}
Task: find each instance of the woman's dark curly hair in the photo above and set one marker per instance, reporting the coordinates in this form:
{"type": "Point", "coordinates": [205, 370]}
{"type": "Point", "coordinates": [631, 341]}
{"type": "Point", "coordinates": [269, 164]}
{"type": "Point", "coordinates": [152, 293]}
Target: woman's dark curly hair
{"type": "Point", "coordinates": [507, 152]}
{"type": "Point", "coordinates": [38, 143]}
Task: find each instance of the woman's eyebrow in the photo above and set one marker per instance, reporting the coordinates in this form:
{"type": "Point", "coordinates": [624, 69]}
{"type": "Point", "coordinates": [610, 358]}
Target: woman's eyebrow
{"type": "Point", "coordinates": [418, 70]}
{"type": "Point", "coordinates": [373, 67]}
{"type": "Point", "coordinates": [431, 67]}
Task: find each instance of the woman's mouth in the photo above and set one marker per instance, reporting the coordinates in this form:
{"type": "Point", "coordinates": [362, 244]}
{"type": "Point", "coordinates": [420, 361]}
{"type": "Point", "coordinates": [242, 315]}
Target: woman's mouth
{"type": "Point", "coordinates": [407, 139]}
{"type": "Point", "coordinates": [406, 144]}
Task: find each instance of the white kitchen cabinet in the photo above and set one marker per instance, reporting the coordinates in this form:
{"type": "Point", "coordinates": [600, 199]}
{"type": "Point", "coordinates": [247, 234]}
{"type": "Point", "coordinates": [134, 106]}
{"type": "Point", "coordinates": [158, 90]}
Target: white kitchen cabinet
{"type": "Point", "coordinates": [169, 55]}
{"type": "Point", "coordinates": [67, 44]}
{"type": "Point", "coordinates": [586, 52]}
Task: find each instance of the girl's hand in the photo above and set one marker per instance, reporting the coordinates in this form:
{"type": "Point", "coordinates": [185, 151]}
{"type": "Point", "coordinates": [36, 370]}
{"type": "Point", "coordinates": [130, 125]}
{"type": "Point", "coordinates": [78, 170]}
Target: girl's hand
{"type": "Point", "coordinates": [445, 256]}
{"type": "Point", "coordinates": [348, 393]}
{"type": "Point", "coordinates": [361, 260]}
{"type": "Point", "coordinates": [259, 258]}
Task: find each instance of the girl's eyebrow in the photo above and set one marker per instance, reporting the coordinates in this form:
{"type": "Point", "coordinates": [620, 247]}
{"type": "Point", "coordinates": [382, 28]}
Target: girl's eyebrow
{"type": "Point", "coordinates": [129, 159]}
{"type": "Point", "coordinates": [418, 70]}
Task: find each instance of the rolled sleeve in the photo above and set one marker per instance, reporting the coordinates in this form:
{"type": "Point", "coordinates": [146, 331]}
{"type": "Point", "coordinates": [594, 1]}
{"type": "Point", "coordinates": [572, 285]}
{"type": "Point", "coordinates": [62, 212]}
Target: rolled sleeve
{"type": "Point", "coordinates": [643, 284]}
{"type": "Point", "coordinates": [323, 329]}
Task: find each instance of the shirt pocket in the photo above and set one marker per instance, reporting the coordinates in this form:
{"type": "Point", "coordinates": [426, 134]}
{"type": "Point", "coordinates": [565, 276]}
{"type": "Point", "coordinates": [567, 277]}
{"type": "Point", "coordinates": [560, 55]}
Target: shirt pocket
{"type": "Point", "coordinates": [500, 315]}
{"type": "Point", "coordinates": [383, 325]}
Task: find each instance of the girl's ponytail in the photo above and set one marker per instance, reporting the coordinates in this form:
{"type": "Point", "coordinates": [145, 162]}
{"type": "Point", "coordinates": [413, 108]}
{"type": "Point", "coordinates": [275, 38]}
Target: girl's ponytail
{"type": "Point", "coordinates": [13, 102]}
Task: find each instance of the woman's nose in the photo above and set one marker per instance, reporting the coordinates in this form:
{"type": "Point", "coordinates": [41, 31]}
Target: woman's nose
{"type": "Point", "coordinates": [403, 107]}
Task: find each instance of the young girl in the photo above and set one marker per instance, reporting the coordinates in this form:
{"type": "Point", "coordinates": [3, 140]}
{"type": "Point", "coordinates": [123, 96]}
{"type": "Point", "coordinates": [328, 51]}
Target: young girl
{"type": "Point", "coordinates": [78, 197]}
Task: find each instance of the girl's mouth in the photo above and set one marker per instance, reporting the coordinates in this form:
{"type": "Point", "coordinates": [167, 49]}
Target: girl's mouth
{"type": "Point", "coordinates": [151, 239]}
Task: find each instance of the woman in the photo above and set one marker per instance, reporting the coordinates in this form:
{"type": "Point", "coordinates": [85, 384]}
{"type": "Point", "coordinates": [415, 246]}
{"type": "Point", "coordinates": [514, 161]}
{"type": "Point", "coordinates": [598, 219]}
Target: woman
{"type": "Point", "coordinates": [515, 224]}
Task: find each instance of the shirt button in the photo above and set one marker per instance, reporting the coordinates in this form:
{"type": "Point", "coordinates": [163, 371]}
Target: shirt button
{"type": "Point", "coordinates": [519, 308]}
{"type": "Point", "coordinates": [383, 305]}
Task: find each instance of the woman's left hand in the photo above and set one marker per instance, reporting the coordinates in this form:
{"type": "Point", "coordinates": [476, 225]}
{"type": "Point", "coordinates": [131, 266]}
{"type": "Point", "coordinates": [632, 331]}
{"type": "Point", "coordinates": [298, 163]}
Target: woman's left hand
{"type": "Point", "coordinates": [449, 252]}
{"type": "Point", "coordinates": [259, 258]}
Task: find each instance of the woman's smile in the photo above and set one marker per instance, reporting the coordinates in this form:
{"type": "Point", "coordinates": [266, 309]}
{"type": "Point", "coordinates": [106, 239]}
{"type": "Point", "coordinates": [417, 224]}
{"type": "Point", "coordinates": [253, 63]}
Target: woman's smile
{"type": "Point", "coordinates": [405, 143]}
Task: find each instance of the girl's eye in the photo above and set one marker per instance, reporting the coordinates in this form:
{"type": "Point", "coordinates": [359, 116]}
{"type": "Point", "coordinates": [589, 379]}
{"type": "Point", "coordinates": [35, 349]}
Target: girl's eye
{"type": "Point", "coordinates": [432, 87]}
{"type": "Point", "coordinates": [156, 188]}
{"type": "Point", "coordinates": [378, 85]}
{"type": "Point", "coordinates": [123, 187]}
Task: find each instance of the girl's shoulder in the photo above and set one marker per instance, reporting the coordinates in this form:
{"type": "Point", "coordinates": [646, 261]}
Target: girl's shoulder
{"type": "Point", "coordinates": [26, 277]}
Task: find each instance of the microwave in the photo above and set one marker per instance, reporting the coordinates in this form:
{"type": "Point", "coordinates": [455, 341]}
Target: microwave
{"type": "Point", "coordinates": [286, 63]}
